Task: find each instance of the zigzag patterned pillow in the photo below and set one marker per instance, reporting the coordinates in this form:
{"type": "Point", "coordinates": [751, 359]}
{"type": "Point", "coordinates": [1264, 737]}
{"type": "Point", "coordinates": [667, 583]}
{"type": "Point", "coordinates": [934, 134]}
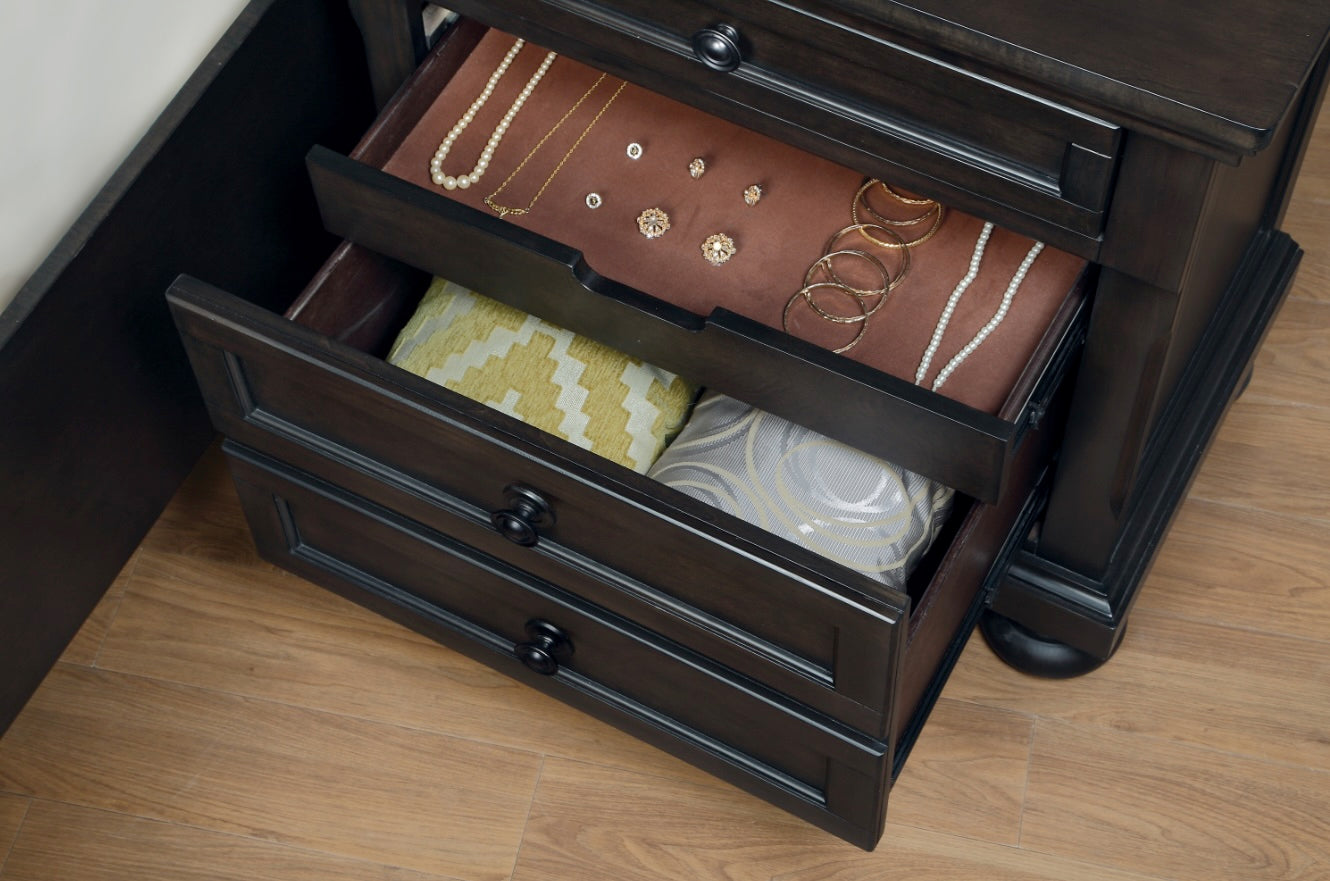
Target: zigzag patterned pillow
{"type": "Point", "coordinates": [576, 389]}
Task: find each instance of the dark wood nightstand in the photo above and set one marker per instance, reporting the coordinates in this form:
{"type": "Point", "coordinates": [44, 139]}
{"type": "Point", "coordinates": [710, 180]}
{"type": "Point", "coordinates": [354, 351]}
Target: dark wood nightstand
{"type": "Point", "coordinates": [1157, 145]}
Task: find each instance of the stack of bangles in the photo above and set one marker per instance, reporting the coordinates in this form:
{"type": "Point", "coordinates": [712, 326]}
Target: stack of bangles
{"type": "Point", "coordinates": [822, 276]}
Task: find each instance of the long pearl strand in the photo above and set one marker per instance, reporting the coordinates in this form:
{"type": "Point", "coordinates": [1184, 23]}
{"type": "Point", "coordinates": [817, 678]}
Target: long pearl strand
{"type": "Point", "coordinates": [968, 349]}
{"type": "Point", "coordinates": [463, 181]}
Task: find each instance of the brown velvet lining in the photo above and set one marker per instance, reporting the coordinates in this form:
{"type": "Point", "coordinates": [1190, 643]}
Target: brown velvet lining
{"type": "Point", "coordinates": [805, 200]}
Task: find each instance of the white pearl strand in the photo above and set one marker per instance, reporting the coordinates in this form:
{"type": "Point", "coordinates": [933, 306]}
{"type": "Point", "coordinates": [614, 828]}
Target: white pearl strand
{"type": "Point", "coordinates": [968, 349]}
{"type": "Point", "coordinates": [462, 181]}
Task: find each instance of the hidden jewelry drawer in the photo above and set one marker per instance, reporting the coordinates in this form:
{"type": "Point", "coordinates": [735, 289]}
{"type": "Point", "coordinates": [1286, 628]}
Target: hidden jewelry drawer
{"type": "Point", "coordinates": [825, 79]}
{"type": "Point", "coordinates": [738, 327]}
{"type": "Point", "coordinates": [794, 677]}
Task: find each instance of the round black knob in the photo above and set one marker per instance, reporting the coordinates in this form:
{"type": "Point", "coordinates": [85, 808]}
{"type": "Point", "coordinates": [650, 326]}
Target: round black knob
{"type": "Point", "coordinates": [515, 527]}
{"type": "Point", "coordinates": [527, 513]}
{"type": "Point", "coordinates": [537, 659]}
{"type": "Point", "coordinates": [545, 648]}
{"type": "Point", "coordinates": [718, 47]}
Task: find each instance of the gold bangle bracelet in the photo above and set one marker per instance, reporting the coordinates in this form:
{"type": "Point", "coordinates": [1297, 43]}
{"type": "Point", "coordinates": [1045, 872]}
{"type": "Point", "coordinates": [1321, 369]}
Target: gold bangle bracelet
{"type": "Point", "coordinates": [883, 232]}
{"type": "Point", "coordinates": [865, 311]}
{"type": "Point", "coordinates": [938, 212]}
{"type": "Point", "coordinates": [904, 200]}
{"type": "Point", "coordinates": [901, 248]}
{"type": "Point", "coordinates": [800, 295]}
{"type": "Point", "coordinates": [862, 196]}
{"type": "Point", "coordinates": [825, 262]}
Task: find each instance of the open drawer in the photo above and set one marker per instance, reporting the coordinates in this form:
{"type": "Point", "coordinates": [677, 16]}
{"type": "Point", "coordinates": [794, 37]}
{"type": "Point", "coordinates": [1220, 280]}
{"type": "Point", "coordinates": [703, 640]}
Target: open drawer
{"type": "Point", "coordinates": [591, 272]}
{"type": "Point", "coordinates": [819, 644]}
{"type": "Point", "coordinates": [849, 88]}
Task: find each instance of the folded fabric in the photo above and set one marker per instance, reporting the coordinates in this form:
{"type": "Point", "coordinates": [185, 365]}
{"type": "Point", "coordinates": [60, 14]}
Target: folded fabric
{"type": "Point", "coordinates": [854, 509]}
{"type": "Point", "coordinates": [574, 388]}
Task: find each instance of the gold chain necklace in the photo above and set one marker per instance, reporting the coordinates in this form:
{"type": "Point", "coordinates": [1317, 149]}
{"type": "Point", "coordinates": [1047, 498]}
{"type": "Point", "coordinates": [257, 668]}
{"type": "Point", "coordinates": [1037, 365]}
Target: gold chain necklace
{"type": "Point", "coordinates": [504, 210]}
{"type": "Point", "coordinates": [466, 179]}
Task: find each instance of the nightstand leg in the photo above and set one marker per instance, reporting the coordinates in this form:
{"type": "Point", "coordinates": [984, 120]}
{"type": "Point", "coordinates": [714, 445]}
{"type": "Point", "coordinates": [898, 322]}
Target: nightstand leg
{"type": "Point", "coordinates": [1128, 459]}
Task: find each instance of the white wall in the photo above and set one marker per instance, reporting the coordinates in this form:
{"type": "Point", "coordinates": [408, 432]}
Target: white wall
{"type": "Point", "coordinates": [80, 82]}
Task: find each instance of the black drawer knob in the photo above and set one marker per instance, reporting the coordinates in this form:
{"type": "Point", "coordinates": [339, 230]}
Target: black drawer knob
{"type": "Point", "coordinates": [546, 647]}
{"type": "Point", "coordinates": [718, 47]}
{"type": "Point", "coordinates": [527, 513]}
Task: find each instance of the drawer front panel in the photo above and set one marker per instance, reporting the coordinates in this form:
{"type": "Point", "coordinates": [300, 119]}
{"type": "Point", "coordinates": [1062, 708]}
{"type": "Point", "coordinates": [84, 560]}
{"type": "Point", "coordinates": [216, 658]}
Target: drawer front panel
{"type": "Point", "coordinates": [278, 387]}
{"type": "Point", "coordinates": [553, 640]}
{"type": "Point", "coordinates": [860, 97]}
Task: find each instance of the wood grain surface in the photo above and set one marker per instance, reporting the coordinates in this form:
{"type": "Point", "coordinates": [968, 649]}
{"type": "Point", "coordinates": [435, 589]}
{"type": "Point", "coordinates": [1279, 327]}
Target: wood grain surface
{"type": "Point", "coordinates": [116, 847]}
{"type": "Point", "coordinates": [1294, 365]}
{"type": "Point", "coordinates": [1272, 456]}
{"type": "Point", "coordinates": [1175, 811]}
{"type": "Point", "coordinates": [1244, 568]}
{"type": "Point", "coordinates": [352, 787]}
{"type": "Point", "coordinates": [219, 719]}
{"type": "Point", "coordinates": [967, 777]}
{"type": "Point", "coordinates": [13, 809]}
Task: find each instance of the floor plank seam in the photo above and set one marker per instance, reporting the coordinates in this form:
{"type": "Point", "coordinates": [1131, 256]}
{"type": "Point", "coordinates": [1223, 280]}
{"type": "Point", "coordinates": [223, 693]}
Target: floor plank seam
{"type": "Point", "coordinates": [1193, 745]}
{"type": "Point", "coordinates": [1096, 868]}
{"type": "Point", "coordinates": [1296, 296]}
{"type": "Point", "coordinates": [227, 833]}
{"type": "Point", "coordinates": [18, 830]}
{"type": "Point", "coordinates": [1199, 496]}
{"type": "Point", "coordinates": [132, 569]}
{"type": "Point", "coordinates": [1174, 615]}
{"type": "Point", "coordinates": [1025, 788]}
{"type": "Point", "coordinates": [1254, 397]}
{"type": "Point", "coordinates": [691, 779]}
{"type": "Point", "coordinates": [403, 726]}
{"type": "Point", "coordinates": [1194, 496]}
{"type": "Point", "coordinates": [1024, 714]}
{"type": "Point", "coordinates": [526, 821]}
{"type": "Point", "coordinates": [110, 622]}
{"type": "Point", "coordinates": [310, 708]}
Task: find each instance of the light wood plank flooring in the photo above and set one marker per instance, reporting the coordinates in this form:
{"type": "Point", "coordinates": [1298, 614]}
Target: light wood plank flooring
{"type": "Point", "coordinates": [217, 718]}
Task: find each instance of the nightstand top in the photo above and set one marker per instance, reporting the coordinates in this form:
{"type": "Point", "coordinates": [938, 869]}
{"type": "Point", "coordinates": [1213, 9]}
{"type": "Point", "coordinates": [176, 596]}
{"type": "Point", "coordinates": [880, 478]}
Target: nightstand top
{"type": "Point", "coordinates": [1221, 71]}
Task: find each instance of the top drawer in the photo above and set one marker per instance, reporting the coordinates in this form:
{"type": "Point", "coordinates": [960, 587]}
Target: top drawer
{"type": "Point", "coordinates": [590, 271]}
{"type": "Point", "coordinates": [854, 93]}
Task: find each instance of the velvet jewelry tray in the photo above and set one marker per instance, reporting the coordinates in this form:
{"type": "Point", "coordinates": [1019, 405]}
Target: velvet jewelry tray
{"type": "Point", "coordinates": [591, 271]}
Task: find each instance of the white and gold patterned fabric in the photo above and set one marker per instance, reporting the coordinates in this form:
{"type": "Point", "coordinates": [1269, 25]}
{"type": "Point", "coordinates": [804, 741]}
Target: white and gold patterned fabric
{"type": "Point", "coordinates": [854, 509]}
{"type": "Point", "coordinates": [574, 388]}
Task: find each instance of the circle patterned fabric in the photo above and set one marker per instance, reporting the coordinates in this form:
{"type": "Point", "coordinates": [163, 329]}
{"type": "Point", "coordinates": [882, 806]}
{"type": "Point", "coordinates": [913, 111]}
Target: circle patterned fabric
{"type": "Point", "coordinates": [854, 509]}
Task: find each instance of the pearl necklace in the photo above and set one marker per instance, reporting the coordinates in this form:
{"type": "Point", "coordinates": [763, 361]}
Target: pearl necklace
{"type": "Point", "coordinates": [462, 181]}
{"type": "Point", "coordinates": [945, 318]}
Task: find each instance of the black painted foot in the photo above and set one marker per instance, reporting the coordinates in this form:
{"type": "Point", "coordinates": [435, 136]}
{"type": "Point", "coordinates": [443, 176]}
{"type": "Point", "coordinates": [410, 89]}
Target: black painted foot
{"type": "Point", "coordinates": [1031, 653]}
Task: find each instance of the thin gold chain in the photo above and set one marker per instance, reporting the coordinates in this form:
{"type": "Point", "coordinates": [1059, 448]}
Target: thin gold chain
{"type": "Point", "coordinates": [504, 210]}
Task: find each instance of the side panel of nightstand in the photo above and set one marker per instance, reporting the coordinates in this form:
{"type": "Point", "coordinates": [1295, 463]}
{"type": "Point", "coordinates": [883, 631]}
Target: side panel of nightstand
{"type": "Point", "coordinates": [101, 421]}
{"type": "Point", "coordinates": [1168, 349]}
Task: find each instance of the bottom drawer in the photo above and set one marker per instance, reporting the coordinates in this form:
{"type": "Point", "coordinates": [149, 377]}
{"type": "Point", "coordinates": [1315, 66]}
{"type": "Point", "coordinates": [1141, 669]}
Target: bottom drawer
{"type": "Point", "coordinates": [585, 655]}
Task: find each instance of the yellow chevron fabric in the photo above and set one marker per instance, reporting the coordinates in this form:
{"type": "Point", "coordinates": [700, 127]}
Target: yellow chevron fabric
{"type": "Point", "coordinates": [579, 390]}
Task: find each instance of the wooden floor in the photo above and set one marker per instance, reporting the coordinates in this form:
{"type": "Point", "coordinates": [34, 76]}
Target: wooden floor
{"type": "Point", "coordinates": [217, 718]}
